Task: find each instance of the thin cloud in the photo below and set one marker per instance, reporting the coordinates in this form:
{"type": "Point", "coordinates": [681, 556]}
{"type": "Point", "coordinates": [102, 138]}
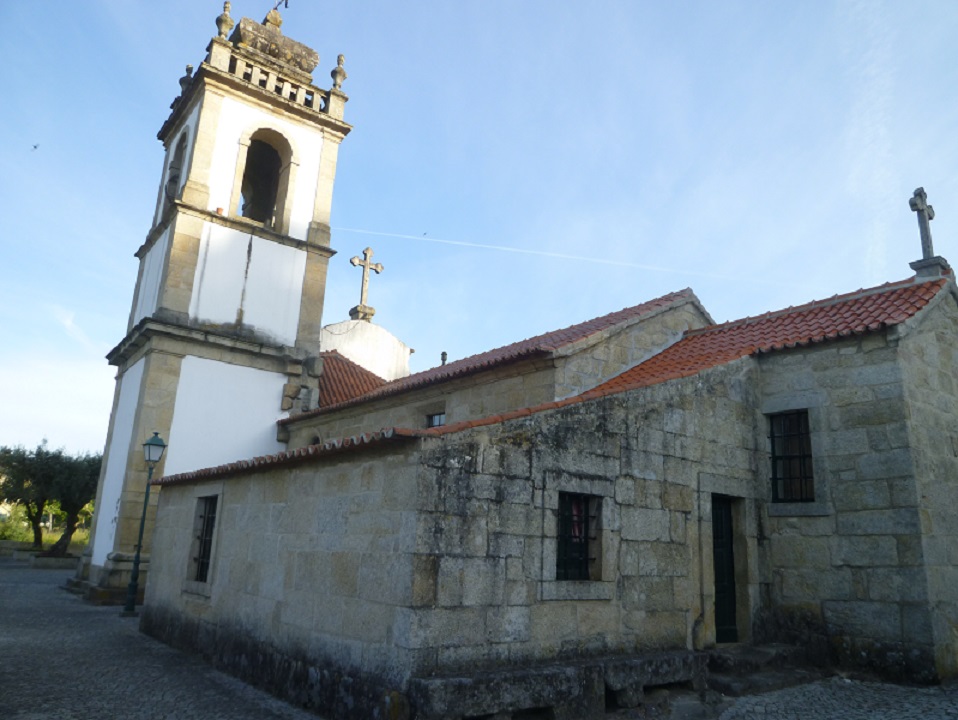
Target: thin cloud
{"type": "Point", "coordinates": [577, 258]}
{"type": "Point", "coordinates": [66, 319]}
{"type": "Point", "coordinates": [872, 172]}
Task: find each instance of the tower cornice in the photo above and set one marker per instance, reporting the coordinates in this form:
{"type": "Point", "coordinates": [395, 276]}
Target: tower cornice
{"type": "Point", "coordinates": [200, 337]}
{"type": "Point", "coordinates": [239, 72]}
{"type": "Point", "coordinates": [234, 223]}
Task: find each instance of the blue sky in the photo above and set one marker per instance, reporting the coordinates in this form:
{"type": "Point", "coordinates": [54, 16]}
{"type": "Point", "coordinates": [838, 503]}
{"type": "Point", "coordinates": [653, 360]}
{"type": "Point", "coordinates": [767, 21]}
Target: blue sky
{"type": "Point", "coordinates": [516, 166]}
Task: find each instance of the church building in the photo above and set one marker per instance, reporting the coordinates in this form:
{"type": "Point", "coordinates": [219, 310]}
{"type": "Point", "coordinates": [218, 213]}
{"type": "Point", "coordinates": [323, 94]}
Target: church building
{"type": "Point", "coordinates": [546, 529]}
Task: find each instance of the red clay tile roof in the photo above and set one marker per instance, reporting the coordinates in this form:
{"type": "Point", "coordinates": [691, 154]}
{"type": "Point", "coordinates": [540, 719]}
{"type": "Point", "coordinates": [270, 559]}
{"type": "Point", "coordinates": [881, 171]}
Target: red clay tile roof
{"type": "Point", "coordinates": [540, 345]}
{"type": "Point", "coordinates": [343, 380]}
{"type": "Point", "coordinates": [839, 316]}
{"type": "Point", "coordinates": [290, 457]}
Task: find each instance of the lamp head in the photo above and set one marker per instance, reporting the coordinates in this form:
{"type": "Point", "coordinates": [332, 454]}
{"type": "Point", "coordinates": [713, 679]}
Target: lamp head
{"type": "Point", "coordinates": [153, 449]}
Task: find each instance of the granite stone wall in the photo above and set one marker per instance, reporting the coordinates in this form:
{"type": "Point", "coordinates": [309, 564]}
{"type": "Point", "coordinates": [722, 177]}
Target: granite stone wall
{"type": "Point", "coordinates": [845, 572]}
{"type": "Point", "coordinates": [344, 584]}
{"type": "Point", "coordinates": [929, 358]}
{"type": "Point", "coordinates": [585, 366]}
{"type": "Point", "coordinates": [311, 570]}
{"type": "Point", "coordinates": [652, 459]}
{"type": "Point", "coordinates": [579, 367]}
{"type": "Point", "coordinates": [379, 580]}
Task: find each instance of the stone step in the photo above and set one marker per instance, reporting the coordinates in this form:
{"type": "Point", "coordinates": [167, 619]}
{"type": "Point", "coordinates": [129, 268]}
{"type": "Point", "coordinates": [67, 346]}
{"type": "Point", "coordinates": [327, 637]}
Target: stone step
{"type": "Point", "coordinates": [734, 685]}
{"type": "Point", "coordinates": [46, 562]}
{"type": "Point", "coordinates": [76, 586]}
{"type": "Point", "coordinates": [742, 659]}
{"type": "Point", "coordinates": [740, 669]}
{"type": "Point", "coordinates": [100, 596]}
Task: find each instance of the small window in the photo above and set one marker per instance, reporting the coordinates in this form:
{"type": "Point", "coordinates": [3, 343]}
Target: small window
{"type": "Point", "coordinates": [577, 548]}
{"type": "Point", "coordinates": [203, 537]}
{"type": "Point", "coordinates": [435, 419]}
{"type": "Point", "coordinates": [791, 441]}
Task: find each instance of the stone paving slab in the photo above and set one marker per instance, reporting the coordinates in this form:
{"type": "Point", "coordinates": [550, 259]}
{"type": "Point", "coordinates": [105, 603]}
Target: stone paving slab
{"type": "Point", "coordinates": [61, 659]}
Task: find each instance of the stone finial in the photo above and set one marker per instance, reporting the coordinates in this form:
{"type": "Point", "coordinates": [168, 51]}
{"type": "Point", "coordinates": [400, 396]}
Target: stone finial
{"type": "Point", "coordinates": [273, 19]}
{"type": "Point", "coordinates": [224, 23]}
{"type": "Point", "coordinates": [186, 79]}
{"type": "Point", "coordinates": [338, 73]}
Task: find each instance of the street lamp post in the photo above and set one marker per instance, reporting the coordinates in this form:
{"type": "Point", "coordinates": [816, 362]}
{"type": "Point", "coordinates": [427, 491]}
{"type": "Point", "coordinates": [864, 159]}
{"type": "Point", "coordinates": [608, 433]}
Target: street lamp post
{"type": "Point", "coordinates": [152, 452]}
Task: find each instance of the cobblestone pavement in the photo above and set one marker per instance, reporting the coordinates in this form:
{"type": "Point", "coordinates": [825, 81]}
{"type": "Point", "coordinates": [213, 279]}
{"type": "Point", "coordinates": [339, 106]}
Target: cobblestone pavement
{"type": "Point", "coordinates": [61, 659]}
{"type": "Point", "coordinates": [841, 699]}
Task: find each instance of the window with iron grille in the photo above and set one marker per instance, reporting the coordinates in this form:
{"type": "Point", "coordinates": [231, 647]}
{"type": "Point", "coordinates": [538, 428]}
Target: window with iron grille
{"type": "Point", "coordinates": [435, 419]}
{"type": "Point", "coordinates": [577, 547]}
{"type": "Point", "coordinates": [203, 537]}
{"type": "Point", "coordinates": [792, 479]}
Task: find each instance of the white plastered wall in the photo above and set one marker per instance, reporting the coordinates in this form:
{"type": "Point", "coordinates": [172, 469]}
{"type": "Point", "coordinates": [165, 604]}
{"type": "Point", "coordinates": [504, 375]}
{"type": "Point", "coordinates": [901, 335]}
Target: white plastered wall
{"type": "Point", "coordinates": [369, 346]}
{"type": "Point", "coordinates": [149, 290]}
{"type": "Point", "coordinates": [237, 271]}
{"type": "Point", "coordinates": [237, 119]}
{"type": "Point", "coordinates": [223, 413]}
{"type": "Point", "coordinates": [116, 462]}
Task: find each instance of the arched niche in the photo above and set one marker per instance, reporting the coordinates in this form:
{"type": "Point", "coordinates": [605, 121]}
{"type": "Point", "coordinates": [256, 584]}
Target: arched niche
{"type": "Point", "coordinates": [176, 172]}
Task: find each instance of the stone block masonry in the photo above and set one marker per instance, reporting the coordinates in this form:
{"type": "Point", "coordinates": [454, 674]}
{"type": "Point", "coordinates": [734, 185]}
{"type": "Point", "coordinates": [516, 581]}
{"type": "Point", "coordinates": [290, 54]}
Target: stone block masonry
{"type": "Point", "coordinates": [391, 578]}
{"type": "Point", "coordinates": [855, 557]}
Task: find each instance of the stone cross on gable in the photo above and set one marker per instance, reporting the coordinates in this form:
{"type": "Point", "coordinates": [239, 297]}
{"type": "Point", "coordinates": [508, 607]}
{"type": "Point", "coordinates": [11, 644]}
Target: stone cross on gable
{"type": "Point", "coordinates": [363, 311]}
{"type": "Point", "coordinates": [926, 213]}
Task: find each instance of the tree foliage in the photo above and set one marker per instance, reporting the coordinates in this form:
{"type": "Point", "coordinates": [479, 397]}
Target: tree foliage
{"type": "Point", "coordinates": [35, 478]}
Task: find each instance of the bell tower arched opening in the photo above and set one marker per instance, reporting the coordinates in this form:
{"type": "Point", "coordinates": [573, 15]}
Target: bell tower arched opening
{"type": "Point", "coordinates": [264, 183]}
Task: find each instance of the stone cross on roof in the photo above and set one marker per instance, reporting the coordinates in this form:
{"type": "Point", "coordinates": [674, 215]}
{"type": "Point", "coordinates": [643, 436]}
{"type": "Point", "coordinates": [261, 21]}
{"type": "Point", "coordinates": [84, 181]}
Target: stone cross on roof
{"type": "Point", "coordinates": [926, 213]}
{"type": "Point", "coordinates": [363, 311]}
{"type": "Point", "coordinates": [930, 264]}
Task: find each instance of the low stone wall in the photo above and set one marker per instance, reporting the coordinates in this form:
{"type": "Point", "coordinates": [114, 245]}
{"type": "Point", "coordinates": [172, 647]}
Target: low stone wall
{"type": "Point", "coordinates": [561, 691]}
{"type": "Point", "coordinates": [300, 676]}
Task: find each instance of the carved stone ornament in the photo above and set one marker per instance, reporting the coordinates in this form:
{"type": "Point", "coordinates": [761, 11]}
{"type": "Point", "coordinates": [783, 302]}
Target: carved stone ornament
{"type": "Point", "coordinates": [186, 79]}
{"type": "Point", "coordinates": [224, 23]}
{"type": "Point", "coordinates": [338, 73]}
{"type": "Point", "coordinates": [273, 19]}
{"type": "Point", "coordinates": [268, 40]}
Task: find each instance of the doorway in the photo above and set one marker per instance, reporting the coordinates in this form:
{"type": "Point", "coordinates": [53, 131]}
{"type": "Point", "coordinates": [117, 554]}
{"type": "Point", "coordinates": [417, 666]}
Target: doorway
{"type": "Point", "coordinates": [723, 562]}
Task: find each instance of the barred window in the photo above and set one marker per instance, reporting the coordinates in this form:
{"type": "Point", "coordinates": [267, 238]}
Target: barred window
{"type": "Point", "coordinates": [792, 479]}
{"type": "Point", "coordinates": [203, 537]}
{"type": "Point", "coordinates": [577, 547]}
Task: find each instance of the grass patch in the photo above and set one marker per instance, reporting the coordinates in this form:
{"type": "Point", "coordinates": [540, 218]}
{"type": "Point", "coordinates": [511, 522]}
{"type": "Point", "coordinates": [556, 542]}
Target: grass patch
{"type": "Point", "coordinates": [15, 529]}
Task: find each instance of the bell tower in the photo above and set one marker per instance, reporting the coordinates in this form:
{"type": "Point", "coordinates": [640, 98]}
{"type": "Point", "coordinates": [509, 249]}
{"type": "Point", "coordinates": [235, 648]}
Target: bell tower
{"type": "Point", "coordinates": [224, 329]}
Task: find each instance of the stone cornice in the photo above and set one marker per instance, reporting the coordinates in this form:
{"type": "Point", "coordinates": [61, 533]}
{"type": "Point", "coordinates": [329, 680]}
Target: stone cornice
{"type": "Point", "coordinates": [152, 328]}
{"type": "Point", "coordinates": [242, 225]}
